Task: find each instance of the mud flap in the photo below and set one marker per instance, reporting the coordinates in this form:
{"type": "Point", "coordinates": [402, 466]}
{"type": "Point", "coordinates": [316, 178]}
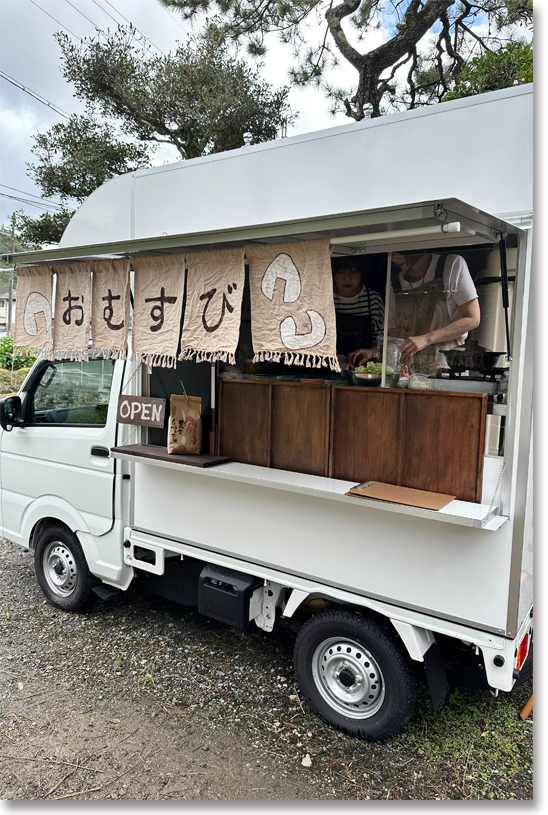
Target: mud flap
{"type": "Point", "coordinates": [435, 675]}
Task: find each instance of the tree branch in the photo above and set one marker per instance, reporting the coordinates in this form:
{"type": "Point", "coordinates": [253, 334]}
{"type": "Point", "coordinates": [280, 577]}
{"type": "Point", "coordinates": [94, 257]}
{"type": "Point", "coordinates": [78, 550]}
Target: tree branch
{"type": "Point", "coordinates": [334, 17]}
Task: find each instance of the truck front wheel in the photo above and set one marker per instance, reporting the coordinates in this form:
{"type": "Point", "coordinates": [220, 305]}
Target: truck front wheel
{"type": "Point", "coordinates": [61, 568]}
{"type": "Point", "coordinates": [355, 675]}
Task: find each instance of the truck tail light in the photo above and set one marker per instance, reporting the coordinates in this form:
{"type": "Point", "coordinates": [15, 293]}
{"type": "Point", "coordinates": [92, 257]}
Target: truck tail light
{"type": "Point", "coordinates": [522, 651]}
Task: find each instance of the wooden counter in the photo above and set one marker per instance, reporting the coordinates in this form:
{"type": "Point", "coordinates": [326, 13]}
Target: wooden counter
{"type": "Point", "coordinates": [428, 440]}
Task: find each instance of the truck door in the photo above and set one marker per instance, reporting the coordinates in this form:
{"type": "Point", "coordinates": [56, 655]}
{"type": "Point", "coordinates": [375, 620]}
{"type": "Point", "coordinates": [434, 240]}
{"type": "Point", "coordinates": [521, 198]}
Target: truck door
{"type": "Point", "coordinates": [58, 463]}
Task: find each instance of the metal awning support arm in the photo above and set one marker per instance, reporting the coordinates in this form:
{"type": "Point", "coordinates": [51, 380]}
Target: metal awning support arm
{"type": "Point", "coordinates": [505, 297]}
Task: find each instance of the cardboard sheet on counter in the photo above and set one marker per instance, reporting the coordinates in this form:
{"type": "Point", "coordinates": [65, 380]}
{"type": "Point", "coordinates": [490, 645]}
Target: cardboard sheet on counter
{"type": "Point", "coordinates": [401, 495]}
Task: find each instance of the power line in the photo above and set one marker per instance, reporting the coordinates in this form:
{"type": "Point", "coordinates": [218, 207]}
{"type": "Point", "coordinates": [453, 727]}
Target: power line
{"type": "Point", "coordinates": [134, 26]}
{"type": "Point", "coordinates": [106, 12]}
{"type": "Point", "coordinates": [83, 15]}
{"type": "Point", "coordinates": [32, 195]}
{"type": "Point", "coordinates": [56, 21]}
{"type": "Point", "coordinates": [34, 95]}
{"type": "Point", "coordinates": [26, 201]}
{"type": "Point", "coordinates": [173, 18]}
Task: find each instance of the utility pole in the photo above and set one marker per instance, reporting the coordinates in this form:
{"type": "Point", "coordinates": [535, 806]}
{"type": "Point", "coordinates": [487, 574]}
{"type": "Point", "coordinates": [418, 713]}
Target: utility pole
{"type": "Point", "coordinates": [10, 288]}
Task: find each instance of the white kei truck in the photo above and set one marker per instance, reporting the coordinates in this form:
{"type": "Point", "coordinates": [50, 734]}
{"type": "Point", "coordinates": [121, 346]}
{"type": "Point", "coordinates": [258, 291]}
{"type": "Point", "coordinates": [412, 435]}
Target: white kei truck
{"type": "Point", "coordinates": [377, 590]}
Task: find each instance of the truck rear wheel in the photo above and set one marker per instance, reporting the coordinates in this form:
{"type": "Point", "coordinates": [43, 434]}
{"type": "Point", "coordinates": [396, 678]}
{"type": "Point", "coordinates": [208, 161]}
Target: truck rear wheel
{"type": "Point", "coordinates": [355, 675]}
{"type": "Point", "coordinates": [61, 568]}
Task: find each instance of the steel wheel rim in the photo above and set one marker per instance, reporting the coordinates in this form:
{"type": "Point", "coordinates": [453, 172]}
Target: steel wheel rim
{"type": "Point", "coordinates": [348, 678]}
{"type": "Point", "coordinates": [60, 568]}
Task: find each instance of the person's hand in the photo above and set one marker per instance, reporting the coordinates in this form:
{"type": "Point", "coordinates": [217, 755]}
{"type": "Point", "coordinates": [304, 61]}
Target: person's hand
{"type": "Point", "coordinates": [343, 362]}
{"type": "Point", "coordinates": [413, 345]}
{"type": "Point", "coordinates": [360, 356]}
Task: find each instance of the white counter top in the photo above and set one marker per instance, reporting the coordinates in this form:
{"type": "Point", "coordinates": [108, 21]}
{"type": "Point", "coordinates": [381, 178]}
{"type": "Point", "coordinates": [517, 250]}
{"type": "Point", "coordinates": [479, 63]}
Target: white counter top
{"type": "Point", "coordinates": [457, 512]}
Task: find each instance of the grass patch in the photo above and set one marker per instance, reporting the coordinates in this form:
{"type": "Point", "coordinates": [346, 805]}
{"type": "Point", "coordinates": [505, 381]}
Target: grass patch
{"type": "Point", "coordinates": [480, 740]}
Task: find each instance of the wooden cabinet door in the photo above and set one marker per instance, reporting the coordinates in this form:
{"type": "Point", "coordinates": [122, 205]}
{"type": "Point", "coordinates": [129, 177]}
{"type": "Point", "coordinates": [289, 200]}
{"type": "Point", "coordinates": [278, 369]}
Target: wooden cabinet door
{"type": "Point", "coordinates": [425, 440]}
{"type": "Point", "coordinates": [244, 421]}
{"type": "Point", "coordinates": [365, 434]}
{"type": "Point", "coordinates": [442, 439]}
{"type": "Point", "coordinates": [300, 428]}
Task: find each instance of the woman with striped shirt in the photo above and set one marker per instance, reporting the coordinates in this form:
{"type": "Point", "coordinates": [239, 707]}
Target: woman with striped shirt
{"type": "Point", "coordinates": [359, 313]}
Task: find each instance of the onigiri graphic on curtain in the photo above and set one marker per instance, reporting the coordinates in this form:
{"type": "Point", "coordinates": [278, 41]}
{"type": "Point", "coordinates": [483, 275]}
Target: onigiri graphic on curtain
{"type": "Point", "coordinates": [292, 307]}
{"type": "Point", "coordinates": [33, 317]}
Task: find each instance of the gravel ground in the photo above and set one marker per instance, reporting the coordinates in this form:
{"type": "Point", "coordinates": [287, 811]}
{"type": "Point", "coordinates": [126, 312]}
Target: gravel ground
{"type": "Point", "coordinates": [139, 698]}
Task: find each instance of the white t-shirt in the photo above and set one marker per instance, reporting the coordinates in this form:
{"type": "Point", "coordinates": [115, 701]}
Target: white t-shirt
{"type": "Point", "coordinates": [457, 282]}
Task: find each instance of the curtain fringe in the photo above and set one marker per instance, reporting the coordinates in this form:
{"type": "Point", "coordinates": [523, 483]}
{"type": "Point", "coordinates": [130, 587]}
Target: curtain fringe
{"type": "Point", "coordinates": [80, 355]}
{"type": "Point", "coordinates": [208, 356]}
{"type": "Point", "coordinates": [309, 360]}
{"type": "Point", "coordinates": [155, 360]}
{"type": "Point", "coordinates": [109, 353]}
{"type": "Point", "coordinates": [44, 353]}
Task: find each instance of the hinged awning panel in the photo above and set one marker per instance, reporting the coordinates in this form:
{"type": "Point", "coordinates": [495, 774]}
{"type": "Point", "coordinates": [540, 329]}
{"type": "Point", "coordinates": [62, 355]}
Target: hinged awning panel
{"type": "Point", "coordinates": [389, 228]}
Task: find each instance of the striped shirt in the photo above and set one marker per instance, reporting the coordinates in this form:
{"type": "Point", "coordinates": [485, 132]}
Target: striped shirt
{"type": "Point", "coordinates": [359, 304]}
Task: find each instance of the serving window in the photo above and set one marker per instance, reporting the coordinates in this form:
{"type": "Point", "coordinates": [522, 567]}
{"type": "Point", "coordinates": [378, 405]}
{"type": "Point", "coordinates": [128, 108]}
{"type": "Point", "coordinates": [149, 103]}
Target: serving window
{"type": "Point", "coordinates": [433, 415]}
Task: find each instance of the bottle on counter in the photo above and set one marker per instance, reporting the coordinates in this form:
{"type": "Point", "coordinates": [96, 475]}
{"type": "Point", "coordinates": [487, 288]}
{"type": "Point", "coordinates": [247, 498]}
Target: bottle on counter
{"type": "Point", "coordinates": [403, 381]}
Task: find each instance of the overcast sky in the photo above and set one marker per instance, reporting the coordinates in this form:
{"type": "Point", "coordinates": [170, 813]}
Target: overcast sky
{"type": "Point", "coordinates": [30, 56]}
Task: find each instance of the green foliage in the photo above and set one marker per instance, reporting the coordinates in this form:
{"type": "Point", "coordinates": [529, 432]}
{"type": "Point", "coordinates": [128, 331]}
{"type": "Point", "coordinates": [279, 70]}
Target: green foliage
{"type": "Point", "coordinates": [509, 66]}
{"type": "Point", "coordinates": [147, 675]}
{"type": "Point", "coordinates": [7, 359]}
{"type": "Point", "coordinates": [426, 46]}
{"type": "Point", "coordinates": [11, 381]}
{"type": "Point", "coordinates": [77, 156]}
{"type": "Point", "coordinates": [47, 228]}
{"type": "Point", "coordinates": [11, 241]}
{"type": "Point", "coordinates": [199, 98]}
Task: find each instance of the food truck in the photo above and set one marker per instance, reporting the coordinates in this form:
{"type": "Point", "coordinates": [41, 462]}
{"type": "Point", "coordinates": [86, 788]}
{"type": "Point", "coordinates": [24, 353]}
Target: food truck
{"type": "Point", "coordinates": [388, 525]}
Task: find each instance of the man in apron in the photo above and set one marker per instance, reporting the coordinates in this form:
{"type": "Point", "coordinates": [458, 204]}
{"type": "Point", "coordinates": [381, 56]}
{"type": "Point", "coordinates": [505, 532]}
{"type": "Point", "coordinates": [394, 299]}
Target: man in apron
{"type": "Point", "coordinates": [434, 305]}
{"type": "Point", "coordinates": [359, 314]}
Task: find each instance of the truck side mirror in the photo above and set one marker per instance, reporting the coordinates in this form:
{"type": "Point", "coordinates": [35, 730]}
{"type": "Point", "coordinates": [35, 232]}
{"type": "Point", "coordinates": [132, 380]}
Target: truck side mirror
{"type": "Point", "coordinates": [10, 413]}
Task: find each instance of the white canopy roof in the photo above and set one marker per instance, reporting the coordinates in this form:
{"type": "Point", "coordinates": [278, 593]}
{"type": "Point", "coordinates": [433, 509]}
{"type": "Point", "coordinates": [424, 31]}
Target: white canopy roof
{"type": "Point", "coordinates": [463, 162]}
{"type": "Point", "coordinates": [478, 150]}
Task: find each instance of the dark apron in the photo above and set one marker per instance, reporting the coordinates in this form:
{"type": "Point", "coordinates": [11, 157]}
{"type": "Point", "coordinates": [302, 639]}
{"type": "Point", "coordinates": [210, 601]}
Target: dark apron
{"type": "Point", "coordinates": [419, 311]}
{"type": "Point", "coordinates": [354, 330]}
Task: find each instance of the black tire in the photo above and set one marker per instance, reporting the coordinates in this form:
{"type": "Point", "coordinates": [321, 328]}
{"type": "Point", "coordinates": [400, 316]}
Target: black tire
{"type": "Point", "coordinates": [355, 674]}
{"type": "Point", "coordinates": [61, 568]}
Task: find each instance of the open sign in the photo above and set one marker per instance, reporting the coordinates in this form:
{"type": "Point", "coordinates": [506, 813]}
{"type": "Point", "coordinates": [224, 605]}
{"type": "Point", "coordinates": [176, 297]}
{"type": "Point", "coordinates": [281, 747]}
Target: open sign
{"type": "Point", "coordinates": [141, 410]}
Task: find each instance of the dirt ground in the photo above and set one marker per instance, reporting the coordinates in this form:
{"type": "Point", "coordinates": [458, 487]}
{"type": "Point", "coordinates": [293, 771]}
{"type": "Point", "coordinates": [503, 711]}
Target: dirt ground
{"type": "Point", "coordinates": [141, 699]}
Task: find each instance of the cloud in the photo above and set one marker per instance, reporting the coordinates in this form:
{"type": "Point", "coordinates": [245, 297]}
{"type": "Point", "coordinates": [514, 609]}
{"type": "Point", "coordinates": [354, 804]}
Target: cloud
{"type": "Point", "coordinates": [16, 122]}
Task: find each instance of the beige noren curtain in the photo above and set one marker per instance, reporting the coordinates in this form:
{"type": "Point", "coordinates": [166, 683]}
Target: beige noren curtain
{"type": "Point", "coordinates": [33, 314]}
{"type": "Point", "coordinates": [71, 329]}
{"type": "Point", "coordinates": [292, 308]}
{"type": "Point", "coordinates": [159, 291]}
{"type": "Point", "coordinates": [110, 308]}
{"type": "Point", "coordinates": [215, 284]}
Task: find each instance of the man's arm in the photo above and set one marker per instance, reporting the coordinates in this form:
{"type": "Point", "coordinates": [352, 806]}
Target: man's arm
{"type": "Point", "coordinates": [469, 319]}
